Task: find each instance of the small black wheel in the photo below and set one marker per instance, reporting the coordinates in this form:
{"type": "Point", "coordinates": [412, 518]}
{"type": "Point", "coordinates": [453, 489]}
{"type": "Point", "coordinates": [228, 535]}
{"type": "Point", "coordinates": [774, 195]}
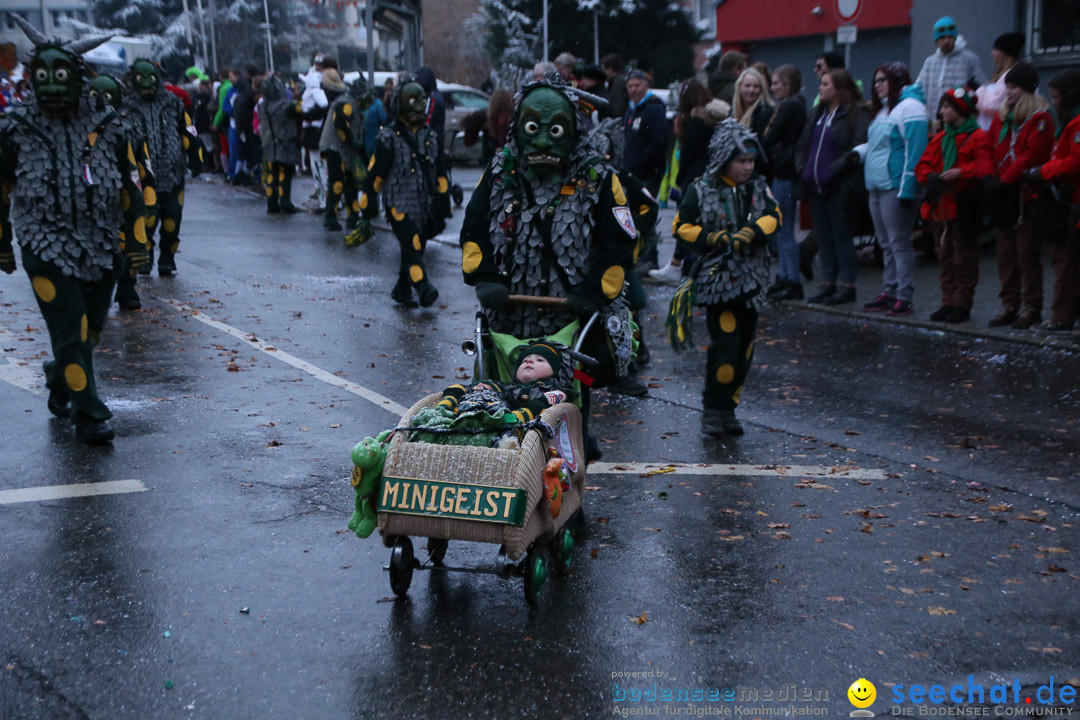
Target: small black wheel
{"type": "Point", "coordinates": [401, 566]}
{"type": "Point", "coordinates": [436, 548]}
{"type": "Point", "coordinates": [562, 551]}
{"type": "Point", "coordinates": [536, 573]}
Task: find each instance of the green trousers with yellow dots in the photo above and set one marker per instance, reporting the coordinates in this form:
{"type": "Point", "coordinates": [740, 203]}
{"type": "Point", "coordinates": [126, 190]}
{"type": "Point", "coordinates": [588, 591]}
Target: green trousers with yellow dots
{"type": "Point", "coordinates": [341, 182]}
{"type": "Point", "coordinates": [279, 177]}
{"type": "Point", "coordinates": [170, 212]}
{"type": "Point", "coordinates": [731, 349]}
{"type": "Point", "coordinates": [74, 312]}
{"type": "Point", "coordinates": [411, 271]}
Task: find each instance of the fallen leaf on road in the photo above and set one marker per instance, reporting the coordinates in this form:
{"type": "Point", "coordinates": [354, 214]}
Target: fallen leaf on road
{"type": "Point", "coordinates": [849, 626]}
{"type": "Point", "coordinates": [732, 538]}
{"type": "Point", "coordinates": [1001, 508]}
{"type": "Point", "coordinates": [940, 611]}
{"type": "Point", "coordinates": [852, 432]}
{"type": "Point", "coordinates": [782, 535]}
{"type": "Point", "coordinates": [660, 471]}
{"type": "Point", "coordinates": [335, 425]}
{"type": "Point", "coordinates": [640, 619]}
{"type": "Point", "coordinates": [602, 520]}
{"type": "Point", "coordinates": [1054, 569]}
{"type": "Point", "coordinates": [1032, 518]}
{"type": "Point", "coordinates": [906, 591]}
{"type": "Point", "coordinates": [835, 598]}
{"type": "Point", "coordinates": [1057, 550]}
{"type": "Point", "coordinates": [594, 552]}
{"type": "Point", "coordinates": [777, 526]}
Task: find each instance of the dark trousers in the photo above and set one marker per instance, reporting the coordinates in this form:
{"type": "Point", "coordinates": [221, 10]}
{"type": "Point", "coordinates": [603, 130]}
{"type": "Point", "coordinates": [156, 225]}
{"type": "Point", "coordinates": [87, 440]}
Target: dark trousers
{"type": "Point", "coordinates": [731, 350]}
{"type": "Point", "coordinates": [341, 182]}
{"type": "Point", "coordinates": [279, 178]}
{"type": "Point", "coordinates": [958, 257]}
{"type": "Point", "coordinates": [836, 250]}
{"type": "Point", "coordinates": [170, 213]}
{"type": "Point", "coordinates": [1065, 258]}
{"type": "Point", "coordinates": [74, 312]}
{"type": "Point", "coordinates": [1019, 265]}
{"type": "Point", "coordinates": [411, 271]}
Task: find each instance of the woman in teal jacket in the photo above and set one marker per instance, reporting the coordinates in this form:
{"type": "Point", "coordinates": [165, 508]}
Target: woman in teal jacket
{"type": "Point", "coordinates": [895, 141]}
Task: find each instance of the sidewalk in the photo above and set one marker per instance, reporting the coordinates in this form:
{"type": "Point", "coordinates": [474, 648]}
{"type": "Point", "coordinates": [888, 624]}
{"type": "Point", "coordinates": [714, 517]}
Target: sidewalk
{"type": "Point", "coordinates": [927, 297]}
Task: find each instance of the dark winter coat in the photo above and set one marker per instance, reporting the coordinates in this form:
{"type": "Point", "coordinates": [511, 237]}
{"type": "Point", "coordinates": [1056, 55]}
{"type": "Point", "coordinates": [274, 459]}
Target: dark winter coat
{"type": "Point", "coordinates": [694, 146]}
{"type": "Point", "coordinates": [782, 135]}
{"type": "Point", "coordinates": [722, 85]}
{"type": "Point", "coordinates": [646, 135]}
{"type": "Point", "coordinates": [823, 157]}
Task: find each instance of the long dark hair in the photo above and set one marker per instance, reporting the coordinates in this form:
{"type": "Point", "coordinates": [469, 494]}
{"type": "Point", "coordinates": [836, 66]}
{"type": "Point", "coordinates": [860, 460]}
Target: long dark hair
{"type": "Point", "coordinates": [846, 89]}
{"type": "Point", "coordinates": [692, 95]}
{"type": "Point", "coordinates": [898, 76]}
{"type": "Point", "coordinates": [1067, 83]}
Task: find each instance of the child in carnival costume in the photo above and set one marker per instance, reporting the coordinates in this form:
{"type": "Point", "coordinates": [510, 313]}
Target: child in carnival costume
{"type": "Point", "coordinates": [407, 168]}
{"type": "Point", "coordinates": [108, 91]}
{"type": "Point", "coordinates": [69, 194]}
{"type": "Point", "coordinates": [173, 147]}
{"type": "Point", "coordinates": [342, 146]}
{"type": "Point", "coordinates": [280, 142]}
{"type": "Point", "coordinates": [727, 216]}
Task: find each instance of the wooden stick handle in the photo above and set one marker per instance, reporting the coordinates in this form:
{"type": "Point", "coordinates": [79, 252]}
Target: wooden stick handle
{"type": "Point", "coordinates": [538, 300]}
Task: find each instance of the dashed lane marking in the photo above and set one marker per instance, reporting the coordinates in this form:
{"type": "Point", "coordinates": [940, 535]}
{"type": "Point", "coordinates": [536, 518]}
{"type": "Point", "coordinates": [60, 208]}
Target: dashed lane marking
{"type": "Point", "coordinates": [794, 471]}
{"type": "Point", "coordinates": [316, 372]}
{"type": "Point", "coordinates": [60, 492]}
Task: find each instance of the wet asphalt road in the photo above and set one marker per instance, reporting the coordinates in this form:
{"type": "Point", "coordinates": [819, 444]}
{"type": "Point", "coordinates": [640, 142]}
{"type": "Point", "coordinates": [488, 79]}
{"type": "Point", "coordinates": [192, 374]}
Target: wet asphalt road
{"type": "Point", "coordinates": [931, 534]}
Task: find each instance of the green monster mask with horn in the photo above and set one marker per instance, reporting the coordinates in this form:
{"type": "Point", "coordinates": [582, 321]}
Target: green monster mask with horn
{"type": "Point", "coordinates": [107, 89]}
{"type": "Point", "coordinates": [412, 107]}
{"type": "Point", "coordinates": [56, 68]}
{"type": "Point", "coordinates": [545, 131]}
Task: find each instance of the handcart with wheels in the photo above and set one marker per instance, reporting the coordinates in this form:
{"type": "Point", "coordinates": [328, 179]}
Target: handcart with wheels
{"type": "Point", "coordinates": [520, 500]}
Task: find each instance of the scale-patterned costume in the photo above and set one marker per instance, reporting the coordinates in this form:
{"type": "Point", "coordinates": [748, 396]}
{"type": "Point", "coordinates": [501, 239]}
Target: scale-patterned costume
{"type": "Point", "coordinates": [71, 197]}
{"type": "Point", "coordinates": [728, 228]}
{"type": "Point", "coordinates": [342, 147]}
{"type": "Point", "coordinates": [126, 294]}
{"type": "Point", "coordinates": [406, 168]}
{"type": "Point", "coordinates": [281, 146]}
{"type": "Point", "coordinates": [555, 239]}
{"type": "Point", "coordinates": [173, 148]}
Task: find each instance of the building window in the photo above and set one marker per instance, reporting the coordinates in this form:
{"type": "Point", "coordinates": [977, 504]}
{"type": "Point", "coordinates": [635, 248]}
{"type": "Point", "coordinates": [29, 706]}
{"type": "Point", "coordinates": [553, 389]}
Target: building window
{"type": "Point", "coordinates": [1055, 27]}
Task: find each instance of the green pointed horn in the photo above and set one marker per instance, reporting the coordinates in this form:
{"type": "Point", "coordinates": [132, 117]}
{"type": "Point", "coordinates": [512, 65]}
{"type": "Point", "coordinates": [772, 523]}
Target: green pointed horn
{"type": "Point", "coordinates": [80, 46]}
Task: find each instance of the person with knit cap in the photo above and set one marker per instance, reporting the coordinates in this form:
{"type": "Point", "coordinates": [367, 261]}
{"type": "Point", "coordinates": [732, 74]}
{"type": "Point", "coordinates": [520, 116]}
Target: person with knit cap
{"type": "Point", "coordinates": [1023, 136]}
{"type": "Point", "coordinates": [953, 168]}
{"type": "Point", "coordinates": [1058, 180]}
{"type": "Point", "coordinates": [728, 216]}
{"type": "Point", "coordinates": [951, 65]}
{"type": "Point", "coordinates": [1005, 54]}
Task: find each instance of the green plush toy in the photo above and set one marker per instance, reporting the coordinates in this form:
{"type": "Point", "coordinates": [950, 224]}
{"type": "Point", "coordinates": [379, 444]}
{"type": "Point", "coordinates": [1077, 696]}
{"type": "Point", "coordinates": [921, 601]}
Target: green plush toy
{"type": "Point", "coordinates": [368, 457]}
{"type": "Point", "coordinates": [360, 234]}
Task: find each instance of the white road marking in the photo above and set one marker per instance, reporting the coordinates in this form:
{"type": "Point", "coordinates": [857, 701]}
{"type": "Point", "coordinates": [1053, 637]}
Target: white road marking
{"type": "Point", "coordinates": [316, 372]}
{"type": "Point", "coordinates": [60, 492]}
{"type": "Point", "coordinates": [24, 377]}
{"type": "Point", "coordinates": [794, 471]}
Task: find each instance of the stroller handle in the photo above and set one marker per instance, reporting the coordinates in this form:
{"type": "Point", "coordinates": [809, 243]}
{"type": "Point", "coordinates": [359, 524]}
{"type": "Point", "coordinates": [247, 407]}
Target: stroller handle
{"type": "Point", "coordinates": [538, 300]}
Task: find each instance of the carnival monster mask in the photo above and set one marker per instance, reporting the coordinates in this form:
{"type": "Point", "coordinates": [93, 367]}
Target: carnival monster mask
{"type": "Point", "coordinates": [145, 78]}
{"type": "Point", "coordinates": [56, 68]}
{"type": "Point", "coordinates": [107, 89]}
{"type": "Point", "coordinates": [545, 130]}
{"type": "Point", "coordinates": [57, 79]}
{"type": "Point", "coordinates": [413, 105]}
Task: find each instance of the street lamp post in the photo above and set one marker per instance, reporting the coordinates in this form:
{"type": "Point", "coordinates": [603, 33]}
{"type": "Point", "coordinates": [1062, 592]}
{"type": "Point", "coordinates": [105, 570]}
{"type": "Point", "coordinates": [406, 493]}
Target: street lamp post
{"type": "Point", "coordinates": [213, 35]}
{"type": "Point", "coordinates": [269, 41]}
{"type": "Point", "coordinates": [545, 30]}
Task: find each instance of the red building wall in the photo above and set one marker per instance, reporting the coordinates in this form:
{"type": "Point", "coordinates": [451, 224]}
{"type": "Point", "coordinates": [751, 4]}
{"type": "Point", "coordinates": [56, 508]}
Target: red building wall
{"type": "Point", "coordinates": [754, 20]}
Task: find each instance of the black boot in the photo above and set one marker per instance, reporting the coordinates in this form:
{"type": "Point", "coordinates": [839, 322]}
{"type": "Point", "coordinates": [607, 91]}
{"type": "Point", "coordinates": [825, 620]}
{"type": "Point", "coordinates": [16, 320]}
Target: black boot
{"type": "Point", "coordinates": [330, 221]}
{"type": "Point", "coordinates": [166, 265]}
{"type": "Point", "coordinates": [93, 432]}
{"type": "Point", "coordinates": [59, 403]}
{"type": "Point", "coordinates": [402, 293]}
{"type": "Point", "coordinates": [428, 293]}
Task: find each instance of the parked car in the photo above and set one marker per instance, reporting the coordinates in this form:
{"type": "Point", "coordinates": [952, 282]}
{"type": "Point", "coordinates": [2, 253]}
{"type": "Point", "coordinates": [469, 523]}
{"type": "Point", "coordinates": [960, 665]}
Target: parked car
{"type": "Point", "coordinates": [460, 101]}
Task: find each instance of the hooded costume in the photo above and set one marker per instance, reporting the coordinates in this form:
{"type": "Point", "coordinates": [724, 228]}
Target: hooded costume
{"type": "Point", "coordinates": [728, 226]}
{"type": "Point", "coordinates": [281, 150]}
{"type": "Point", "coordinates": [408, 170]}
{"type": "Point", "coordinates": [172, 146]}
{"type": "Point", "coordinates": [71, 195]}
{"type": "Point", "coordinates": [342, 146]}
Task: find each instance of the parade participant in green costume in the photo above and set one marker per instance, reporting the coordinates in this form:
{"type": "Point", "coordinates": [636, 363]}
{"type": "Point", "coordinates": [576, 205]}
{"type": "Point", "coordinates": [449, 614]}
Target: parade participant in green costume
{"type": "Point", "coordinates": [406, 167]}
{"type": "Point", "coordinates": [342, 145]}
{"type": "Point", "coordinates": [281, 147]}
{"type": "Point", "coordinates": [108, 90]}
{"type": "Point", "coordinates": [727, 216]}
{"type": "Point", "coordinates": [69, 196]}
{"type": "Point", "coordinates": [170, 138]}
{"type": "Point", "coordinates": [549, 217]}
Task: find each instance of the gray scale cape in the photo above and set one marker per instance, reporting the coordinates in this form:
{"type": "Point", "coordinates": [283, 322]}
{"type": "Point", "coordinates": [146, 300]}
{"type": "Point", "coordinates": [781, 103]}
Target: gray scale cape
{"type": "Point", "coordinates": [56, 213]}
{"type": "Point", "coordinates": [330, 140]}
{"type": "Point", "coordinates": [276, 128]}
{"type": "Point", "coordinates": [725, 276]}
{"type": "Point", "coordinates": [411, 184]}
{"type": "Point", "coordinates": [160, 121]}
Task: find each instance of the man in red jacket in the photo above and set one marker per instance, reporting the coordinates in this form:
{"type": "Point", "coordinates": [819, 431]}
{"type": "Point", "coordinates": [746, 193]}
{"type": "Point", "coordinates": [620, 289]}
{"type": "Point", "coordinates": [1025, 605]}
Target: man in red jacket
{"type": "Point", "coordinates": [1062, 173]}
{"type": "Point", "coordinates": [952, 168]}
{"type": "Point", "coordinates": [1023, 136]}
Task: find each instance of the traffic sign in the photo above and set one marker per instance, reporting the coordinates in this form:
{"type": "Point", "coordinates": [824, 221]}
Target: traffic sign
{"type": "Point", "coordinates": [847, 10]}
{"type": "Point", "coordinates": [846, 34]}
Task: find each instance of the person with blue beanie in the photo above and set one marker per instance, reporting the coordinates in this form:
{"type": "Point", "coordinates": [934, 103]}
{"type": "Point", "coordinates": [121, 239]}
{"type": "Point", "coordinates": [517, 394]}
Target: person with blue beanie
{"type": "Point", "coordinates": [951, 65]}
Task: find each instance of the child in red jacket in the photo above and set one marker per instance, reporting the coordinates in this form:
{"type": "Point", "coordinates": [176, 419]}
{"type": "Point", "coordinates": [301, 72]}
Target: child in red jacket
{"type": "Point", "coordinates": [952, 168]}
{"type": "Point", "coordinates": [1023, 136]}
{"type": "Point", "coordinates": [1062, 177]}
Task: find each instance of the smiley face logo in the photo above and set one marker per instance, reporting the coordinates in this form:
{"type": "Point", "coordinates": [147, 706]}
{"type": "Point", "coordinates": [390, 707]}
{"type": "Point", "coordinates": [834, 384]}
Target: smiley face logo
{"type": "Point", "coordinates": [862, 693]}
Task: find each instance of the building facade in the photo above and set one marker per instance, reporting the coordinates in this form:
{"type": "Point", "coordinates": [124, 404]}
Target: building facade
{"type": "Point", "coordinates": [46, 15]}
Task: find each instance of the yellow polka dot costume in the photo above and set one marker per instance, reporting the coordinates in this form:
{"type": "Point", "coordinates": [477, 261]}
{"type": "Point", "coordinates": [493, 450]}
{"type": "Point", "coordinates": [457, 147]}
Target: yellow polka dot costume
{"type": "Point", "coordinates": [727, 226]}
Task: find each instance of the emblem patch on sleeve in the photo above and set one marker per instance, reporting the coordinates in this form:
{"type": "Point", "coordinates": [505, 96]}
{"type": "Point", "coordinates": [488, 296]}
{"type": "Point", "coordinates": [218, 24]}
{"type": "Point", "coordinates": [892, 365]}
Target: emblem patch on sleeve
{"type": "Point", "coordinates": [626, 219]}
